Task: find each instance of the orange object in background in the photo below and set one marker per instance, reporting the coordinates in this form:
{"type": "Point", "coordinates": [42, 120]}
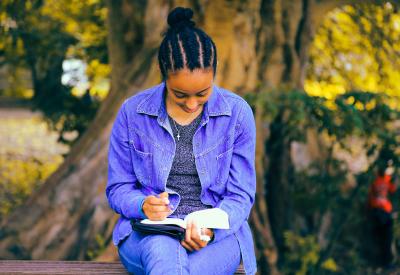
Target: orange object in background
{"type": "Point", "coordinates": [379, 191]}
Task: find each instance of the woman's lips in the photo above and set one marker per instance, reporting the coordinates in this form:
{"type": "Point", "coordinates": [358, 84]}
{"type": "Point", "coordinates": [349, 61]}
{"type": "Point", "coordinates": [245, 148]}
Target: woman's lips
{"type": "Point", "coordinates": [190, 110]}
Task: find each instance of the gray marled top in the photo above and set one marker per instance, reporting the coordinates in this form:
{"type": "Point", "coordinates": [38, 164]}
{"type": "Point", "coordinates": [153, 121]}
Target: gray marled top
{"type": "Point", "coordinates": [183, 177]}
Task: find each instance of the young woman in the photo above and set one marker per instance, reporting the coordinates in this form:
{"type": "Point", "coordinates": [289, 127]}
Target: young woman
{"type": "Point", "coordinates": [178, 147]}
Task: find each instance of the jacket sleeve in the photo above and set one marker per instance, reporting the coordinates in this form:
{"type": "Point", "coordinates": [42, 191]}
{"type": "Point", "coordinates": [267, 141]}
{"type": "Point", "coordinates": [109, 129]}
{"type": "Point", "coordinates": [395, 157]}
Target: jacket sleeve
{"type": "Point", "coordinates": [123, 193]}
{"type": "Point", "coordinates": [241, 186]}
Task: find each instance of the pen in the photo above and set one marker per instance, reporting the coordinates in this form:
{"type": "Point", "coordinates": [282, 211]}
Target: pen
{"type": "Point", "coordinates": [167, 201]}
{"type": "Point", "coordinates": [150, 192]}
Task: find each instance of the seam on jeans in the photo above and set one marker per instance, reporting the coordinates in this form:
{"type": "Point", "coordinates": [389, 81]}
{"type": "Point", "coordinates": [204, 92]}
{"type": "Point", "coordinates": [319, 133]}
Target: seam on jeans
{"type": "Point", "coordinates": [179, 258]}
{"type": "Point", "coordinates": [227, 266]}
{"type": "Point", "coordinates": [125, 259]}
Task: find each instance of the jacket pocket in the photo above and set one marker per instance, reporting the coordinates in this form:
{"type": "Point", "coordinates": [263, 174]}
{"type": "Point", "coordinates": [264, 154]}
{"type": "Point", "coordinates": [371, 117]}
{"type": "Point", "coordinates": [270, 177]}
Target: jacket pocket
{"type": "Point", "coordinates": [223, 166]}
{"type": "Point", "coordinates": [142, 165]}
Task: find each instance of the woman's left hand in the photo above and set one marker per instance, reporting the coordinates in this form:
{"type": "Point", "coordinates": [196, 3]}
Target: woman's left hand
{"type": "Point", "coordinates": [192, 238]}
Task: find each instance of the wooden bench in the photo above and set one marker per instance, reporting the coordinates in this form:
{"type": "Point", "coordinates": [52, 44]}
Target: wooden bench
{"type": "Point", "coordinates": [66, 267]}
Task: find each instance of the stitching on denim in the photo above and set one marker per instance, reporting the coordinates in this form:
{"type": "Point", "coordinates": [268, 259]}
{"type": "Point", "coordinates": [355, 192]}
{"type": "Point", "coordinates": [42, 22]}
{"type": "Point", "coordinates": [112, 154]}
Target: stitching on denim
{"type": "Point", "coordinates": [224, 153]}
{"type": "Point", "coordinates": [125, 259]}
{"type": "Point", "coordinates": [144, 154]}
{"type": "Point", "coordinates": [179, 258]}
{"type": "Point", "coordinates": [208, 150]}
{"type": "Point", "coordinates": [220, 162]}
{"type": "Point", "coordinates": [227, 266]}
{"type": "Point", "coordinates": [140, 108]}
{"type": "Point", "coordinates": [226, 109]}
{"type": "Point", "coordinates": [145, 137]}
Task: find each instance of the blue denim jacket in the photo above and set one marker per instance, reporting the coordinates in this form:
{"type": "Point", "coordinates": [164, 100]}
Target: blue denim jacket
{"type": "Point", "coordinates": [142, 149]}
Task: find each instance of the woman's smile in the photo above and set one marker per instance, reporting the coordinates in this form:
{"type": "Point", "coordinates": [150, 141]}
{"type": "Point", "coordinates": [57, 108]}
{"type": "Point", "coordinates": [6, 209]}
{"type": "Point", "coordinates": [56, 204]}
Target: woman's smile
{"type": "Point", "coordinates": [187, 110]}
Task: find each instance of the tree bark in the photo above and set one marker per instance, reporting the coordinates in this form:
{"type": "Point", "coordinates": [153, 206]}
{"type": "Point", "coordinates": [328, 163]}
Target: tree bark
{"type": "Point", "coordinates": [70, 210]}
{"type": "Point", "coordinates": [261, 44]}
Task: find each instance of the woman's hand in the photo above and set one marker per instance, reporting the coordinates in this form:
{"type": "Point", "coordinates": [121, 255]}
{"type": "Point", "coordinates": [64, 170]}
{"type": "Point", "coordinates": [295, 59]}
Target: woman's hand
{"type": "Point", "coordinates": [192, 238]}
{"type": "Point", "coordinates": [157, 209]}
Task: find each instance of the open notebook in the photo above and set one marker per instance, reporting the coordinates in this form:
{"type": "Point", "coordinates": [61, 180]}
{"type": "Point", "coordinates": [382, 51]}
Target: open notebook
{"type": "Point", "coordinates": [207, 218]}
{"type": "Point", "coordinates": [174, 227]}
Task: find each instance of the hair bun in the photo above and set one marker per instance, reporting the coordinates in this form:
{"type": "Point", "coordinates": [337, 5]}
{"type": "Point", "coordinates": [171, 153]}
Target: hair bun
{"type": "Point", "coordinates": [180, 17]}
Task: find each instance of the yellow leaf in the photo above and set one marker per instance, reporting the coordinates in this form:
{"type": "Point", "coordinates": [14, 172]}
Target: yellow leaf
{"type": "Point", "coordinates": [330, 264]}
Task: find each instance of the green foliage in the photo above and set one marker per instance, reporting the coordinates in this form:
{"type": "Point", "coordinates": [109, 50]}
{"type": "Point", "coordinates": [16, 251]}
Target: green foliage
{"type": "Point", "coordinates": [69, 115]}
{"type": "Point", "coordinates": [356, 48]}
{"type": "Point", "coordinates": [98, 248]}
{"type": "Point", "coordinates": [28, 156]}
{"type": "Point", "coordinates": [37, 37]}
{"type": "Point", "coordinates": [324, 187]}
{"type": "Point", "coordinates": [19, 177]}
{"type": "Point", "coordinates": [302, 254]}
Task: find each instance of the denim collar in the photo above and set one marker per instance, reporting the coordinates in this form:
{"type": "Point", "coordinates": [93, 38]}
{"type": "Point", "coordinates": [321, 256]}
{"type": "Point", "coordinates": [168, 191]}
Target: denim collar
{"type": "Point", "coordinates": [154, 104]}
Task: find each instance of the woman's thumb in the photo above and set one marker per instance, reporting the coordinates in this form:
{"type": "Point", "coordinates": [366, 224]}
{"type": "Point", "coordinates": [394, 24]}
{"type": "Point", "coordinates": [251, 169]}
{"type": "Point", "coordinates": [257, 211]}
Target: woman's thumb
{"type": "Point", "coordinates": [164, 195]}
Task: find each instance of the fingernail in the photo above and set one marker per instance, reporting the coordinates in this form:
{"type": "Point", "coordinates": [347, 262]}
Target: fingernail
{"type": "Point", "coordinates": [166, 201]}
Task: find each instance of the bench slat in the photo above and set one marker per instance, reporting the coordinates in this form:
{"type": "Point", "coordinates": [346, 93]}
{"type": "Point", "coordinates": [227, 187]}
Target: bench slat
{"type": "Point", "coordinates": [60, 267]}
{"type": "Point", "coordinates": [17, 267]}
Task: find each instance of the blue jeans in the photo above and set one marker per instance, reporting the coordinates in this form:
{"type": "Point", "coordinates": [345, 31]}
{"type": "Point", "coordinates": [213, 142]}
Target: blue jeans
{"type": "Point", "coordinates": [159, 254]}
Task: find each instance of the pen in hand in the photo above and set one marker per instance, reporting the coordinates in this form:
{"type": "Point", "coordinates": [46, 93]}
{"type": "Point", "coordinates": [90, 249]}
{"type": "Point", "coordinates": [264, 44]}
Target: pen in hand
{"type": "Point", "coordinates": [160, 196]}
{"type": "Point", "coordinates": [157, 207]}
{"type": "Point", "coordinates": [164, 196]}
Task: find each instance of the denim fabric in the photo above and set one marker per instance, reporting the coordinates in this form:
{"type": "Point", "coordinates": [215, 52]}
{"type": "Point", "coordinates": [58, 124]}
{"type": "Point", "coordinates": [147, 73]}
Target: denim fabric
{"type": "Point", "coordinates": [142, 150]}
{"type": "Point", "coordinates": [159, 254]}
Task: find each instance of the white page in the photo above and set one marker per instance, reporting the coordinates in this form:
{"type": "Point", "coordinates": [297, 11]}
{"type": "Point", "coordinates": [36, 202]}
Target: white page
{"type": "Point", "coordinates": [210, 218]}
{"type": "Point", "coordinates": [175, 221]}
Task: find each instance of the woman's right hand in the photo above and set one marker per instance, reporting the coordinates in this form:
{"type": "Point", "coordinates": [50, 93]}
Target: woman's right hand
{"type": "Point", "coordinates": [156, 208]}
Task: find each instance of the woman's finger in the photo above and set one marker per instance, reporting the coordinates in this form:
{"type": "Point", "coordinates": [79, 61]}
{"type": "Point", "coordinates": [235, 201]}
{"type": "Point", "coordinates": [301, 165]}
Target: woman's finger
{"type": "Point", "coordinates": [208, 232]}
{"type": "Point", "coordinates": [190, 234]}
{"type": "Point", "coordinates": [157, 216]}
{"type": "Point", "coordinates": [195, 236]}
{"type": "Point", "coordinates": [188, 231]}
{"type": "Point", "coordinates": [157, 201]}
{"type": "Point", "coordinates": [186, 246]}
{"type": "Point", "coordinates": [206, 237]}
{"type": "Point", "coordinates": [159, 208]}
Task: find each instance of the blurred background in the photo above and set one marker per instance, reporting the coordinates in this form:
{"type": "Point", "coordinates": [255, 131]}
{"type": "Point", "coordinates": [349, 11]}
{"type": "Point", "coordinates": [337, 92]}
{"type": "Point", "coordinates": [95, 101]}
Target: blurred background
{"type": "Point", "coordinates": [323, 78]}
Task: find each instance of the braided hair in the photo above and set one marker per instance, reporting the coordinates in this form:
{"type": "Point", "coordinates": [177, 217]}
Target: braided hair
{"type": "Point", "coordinates": [185, 46]}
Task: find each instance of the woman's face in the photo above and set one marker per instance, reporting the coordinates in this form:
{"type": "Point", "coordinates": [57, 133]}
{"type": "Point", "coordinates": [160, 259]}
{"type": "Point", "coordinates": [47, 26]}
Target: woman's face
{"type": "Point", "coordinates": [189, 90]}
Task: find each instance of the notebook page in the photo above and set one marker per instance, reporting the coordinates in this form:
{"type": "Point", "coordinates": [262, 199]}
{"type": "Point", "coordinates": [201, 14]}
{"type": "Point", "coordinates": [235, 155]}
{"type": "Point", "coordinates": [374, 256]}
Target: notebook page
{"type": "Point", "coordinates": [210, 218]}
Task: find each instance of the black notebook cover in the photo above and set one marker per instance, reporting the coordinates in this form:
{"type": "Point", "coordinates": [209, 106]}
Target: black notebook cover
{"type": "Point", "coordinates": [171, 230]}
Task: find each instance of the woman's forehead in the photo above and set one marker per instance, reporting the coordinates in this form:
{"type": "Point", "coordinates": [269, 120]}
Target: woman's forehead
{"type": "Point", "coordinates": [190, 82]}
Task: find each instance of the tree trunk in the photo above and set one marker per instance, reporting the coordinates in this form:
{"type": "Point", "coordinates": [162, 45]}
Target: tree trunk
{"type": "Point", "coordinates": [261, 44]}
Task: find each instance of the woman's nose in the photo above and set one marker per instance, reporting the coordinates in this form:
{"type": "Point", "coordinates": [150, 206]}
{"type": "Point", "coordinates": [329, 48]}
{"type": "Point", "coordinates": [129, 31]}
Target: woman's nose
{"type": "Point", "coordinates": [191, 103]}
